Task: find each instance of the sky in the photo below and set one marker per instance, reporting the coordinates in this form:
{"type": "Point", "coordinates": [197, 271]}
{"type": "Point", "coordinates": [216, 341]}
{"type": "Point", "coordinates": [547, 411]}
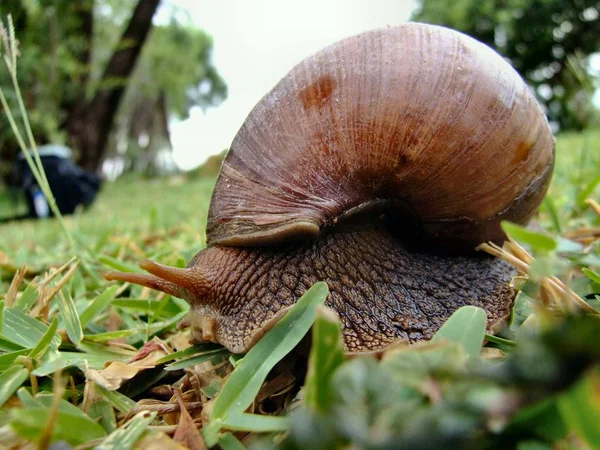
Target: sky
{"type": "Point", "coordinates": [256, 42]}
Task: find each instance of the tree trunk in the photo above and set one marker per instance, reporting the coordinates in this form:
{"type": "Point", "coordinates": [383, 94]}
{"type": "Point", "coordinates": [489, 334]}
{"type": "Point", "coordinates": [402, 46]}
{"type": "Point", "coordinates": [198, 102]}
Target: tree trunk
{"type": "Point", "coordinates": [89, 125]}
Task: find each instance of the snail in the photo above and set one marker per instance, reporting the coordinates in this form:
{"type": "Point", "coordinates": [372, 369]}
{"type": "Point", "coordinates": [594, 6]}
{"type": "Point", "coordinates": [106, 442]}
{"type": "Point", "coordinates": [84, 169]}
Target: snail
{"type": "Point", "coordinates": [377, 165]}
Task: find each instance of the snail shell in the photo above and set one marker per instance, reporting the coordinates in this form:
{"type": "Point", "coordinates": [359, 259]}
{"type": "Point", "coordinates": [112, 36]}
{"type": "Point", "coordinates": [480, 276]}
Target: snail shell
{"type": "Point", "coordinates": [417, 113]}
{"type": "Point", "coordinates": [370, 166]}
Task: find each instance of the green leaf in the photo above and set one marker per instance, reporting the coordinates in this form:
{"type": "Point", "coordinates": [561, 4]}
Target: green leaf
{"type": "Point", "coordinates": [542, 418]}
{"type": "Point", "coordinates": [256, 423]}
{"type": "Point", "coordinates": [568, 246]}
{"type": "Point", "coordinates": [98, 305]}
{"type": "Point", "coordinates": [190, 351]}
{"type": "Point", "coordinates": [245, 381]}
{"type": "Point", "coordinates": [109, 336]}
{"type": "Point", "coordinates": [11, 380]}
{"type": "Point", "coordinates": [326, 355]}
{"type": "Point", "coordinates": [207, 356]}
{"type": "Point", "coordinates": [102, 412]}
{"type": "Point", "coordinates": [595, 277]}
{"type": "Point", "coordinates": [580, 408]}
{"type": "Point", "coordinates": [25, 330]}
{"type": "Point", "coordinates": [7, 359]}
{"type": "Point", "coordinates": [114, 263]}
{"type": "Point", "coordinates": [587, 191]}
{"type": "Point", "coordinates": [552, 212]}
{"type": "Point", "coordinates": [124, 438]}
{"type": "Point", "coordinates": [1, 316]}
{"type": "Point", "coordinates": [466, 326]}
{"type": "Point", "coordinates": [69, 315]}
{"type": "Point", "coordinates": [27, 399]}
{"type": "Point", "coordinates": [499, 340]}
{"type": "Point", "coordinates": [227, 441]}
{"type": "Point", "coordinates": [76, 429]}
{"type": "Point", "coordinates": [537, 241]}
{"type": "Point", "coordinates": [6, 345]}
{"type": "Point", "coordinates": [121, 402]}
{"type": "Point", "coordinates": [27, 298]}
{"type": "Point", "coordinates": [44, 344]}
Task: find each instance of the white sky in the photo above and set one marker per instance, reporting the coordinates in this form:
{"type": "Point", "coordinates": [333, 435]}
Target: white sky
{"type": "Point", "coordinates": [256, 42]}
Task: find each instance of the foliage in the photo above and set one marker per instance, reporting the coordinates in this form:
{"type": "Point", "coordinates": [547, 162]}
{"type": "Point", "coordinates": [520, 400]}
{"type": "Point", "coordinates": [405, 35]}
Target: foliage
{"type": "Point", "coordinates": [174, 73]}
{"type": "Point", "coordinates": [547, 41]}
{"type": "Point", "coordinates": [530, 395]}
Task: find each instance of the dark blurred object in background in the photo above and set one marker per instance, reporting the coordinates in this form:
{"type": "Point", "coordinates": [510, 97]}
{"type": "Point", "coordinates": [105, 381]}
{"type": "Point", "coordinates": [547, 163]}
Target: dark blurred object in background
{"type": "Point", "coordinates": [71, 185]}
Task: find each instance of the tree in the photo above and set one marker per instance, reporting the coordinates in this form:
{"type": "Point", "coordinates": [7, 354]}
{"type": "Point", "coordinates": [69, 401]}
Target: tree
{"type": "Point", "coordinates": [84, 63]}
{"type": "Point", "coordinates": [547, 41]}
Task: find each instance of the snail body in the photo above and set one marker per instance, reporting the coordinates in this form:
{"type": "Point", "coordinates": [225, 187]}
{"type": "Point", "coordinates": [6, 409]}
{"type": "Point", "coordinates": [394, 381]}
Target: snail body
{"type": "Point", "coordinates": [376, 165]}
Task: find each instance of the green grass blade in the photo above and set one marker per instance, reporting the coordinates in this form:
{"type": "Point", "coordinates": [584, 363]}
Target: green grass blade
{"type": "Point", "coordinates": [466, 327]}
{"type": "Point", "coordinates": [73, 428]}
{"type": "Point", "coordinates": [580, 408]}
{"type": "Point", "coordinates": [124, 438]}
{"type": "Point", "coordinates": [98, 305]}
{"type": "Point", "coordinates": [121, 402]}
{"type": "Point", "coordinates": [27, 399]}
{"type": "Point", "coordinates": [227, 441]}
{"type": "Point", "coordinates": [6, 345]}
{"type": "Point", "coordinates": [114, 263]}
{"type": "Point", "coordinates": [553, 213]}
{"type": "Point", "coordinates": [44, 344]}
{"type": "Point", "coordinates": [247, 378]}
{"type": "Point", "coordinates": [27, 298]}
{"type": "Point", "coordinates": [110, 335]}
{"type": "Point", "coordinates": [256, 423]}
{"type": "Point", "coordinates": [207, 356]}
{"type": "Point", "coordinates": [538, 241]}
{"type": "Point", "coordinates": [326, 355]}
{"type": "Point", "coordinates": [190, 351]}
{"type": "Point", "coordinates": [1, 316]}
{"type": "Point", "coordinates": [11, 380]}
{"type": "Point", "coordinates": [587, 191]}
{"type": "Point", "coordinates": [7, 359]}
{"type": "Point", "coordinates": [595, 277]}
{"type": "Point", "coordinates": [68, 312]}
{"type": "Point", "coordinates": [25, 330]}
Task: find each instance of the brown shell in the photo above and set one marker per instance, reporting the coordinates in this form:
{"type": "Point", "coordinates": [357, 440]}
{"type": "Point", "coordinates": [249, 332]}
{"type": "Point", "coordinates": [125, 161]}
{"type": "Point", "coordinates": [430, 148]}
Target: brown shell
{"type": "Point", "coordinates": [417, 113]}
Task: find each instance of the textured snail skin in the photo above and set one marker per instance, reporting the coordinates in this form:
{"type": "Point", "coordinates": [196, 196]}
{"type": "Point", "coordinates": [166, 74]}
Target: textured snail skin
{"type": "Point", "coordinates": [381, 291]}
{"type": "Point", "coordinates": [376, 165]}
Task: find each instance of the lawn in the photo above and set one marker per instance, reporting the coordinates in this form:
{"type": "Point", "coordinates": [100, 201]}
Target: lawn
{"type": "Point", "coordinates": [75, 349]}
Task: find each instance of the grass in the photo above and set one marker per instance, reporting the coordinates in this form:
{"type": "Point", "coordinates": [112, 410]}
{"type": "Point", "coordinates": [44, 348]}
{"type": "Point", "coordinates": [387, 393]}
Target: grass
{"type": "Point", "coordinates": [74, 349]}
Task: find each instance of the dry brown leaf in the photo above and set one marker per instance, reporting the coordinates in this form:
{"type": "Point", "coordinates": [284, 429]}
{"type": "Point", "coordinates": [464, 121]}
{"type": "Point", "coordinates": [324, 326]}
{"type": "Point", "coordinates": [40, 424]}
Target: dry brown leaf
{"type": "Point", "coordinates": [116, 373]}
{"type": "Point", "coordinates": [113, 376]}
{"type": "Point", "coordinates": [186, 432]}
{"type": "Point", "coordinates": [158, 441]}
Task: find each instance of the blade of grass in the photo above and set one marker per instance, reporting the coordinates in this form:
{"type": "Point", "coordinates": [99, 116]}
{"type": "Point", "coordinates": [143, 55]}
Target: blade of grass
{"type": "Point", "coordinates": [11, 380]}
{"type": "Point", "coordinates": [119, 401]}
{"type": "Point", "coordinates": [73, 428]}
{"type": "Point", "coordinates": [228, 441]}
{"type": "Point", "coordinates": [190, 351]}
{"type": "Point", "coordinates": [466, 327]}
{"type": "Point", "coordinates": [206, 356]}
{"type": "Point", "coordinates": [109, 336]}
{"type": "Point", "coordinates": [326, 355]}
{"type": "Point", "coordinates": [27, 298]}
{"type": "Point", "coordinates": [124, 438]}
{"type": "Point", "coordinates": [98, 305]}
{"type": "Point", "coordinates": [244, 383]}
{"type": "Point", "coordinates": [44, 344]}
{"type": "Point", "coordinates": [256, 423]}
{"type": "Point", "coordinates": [69, 315]}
